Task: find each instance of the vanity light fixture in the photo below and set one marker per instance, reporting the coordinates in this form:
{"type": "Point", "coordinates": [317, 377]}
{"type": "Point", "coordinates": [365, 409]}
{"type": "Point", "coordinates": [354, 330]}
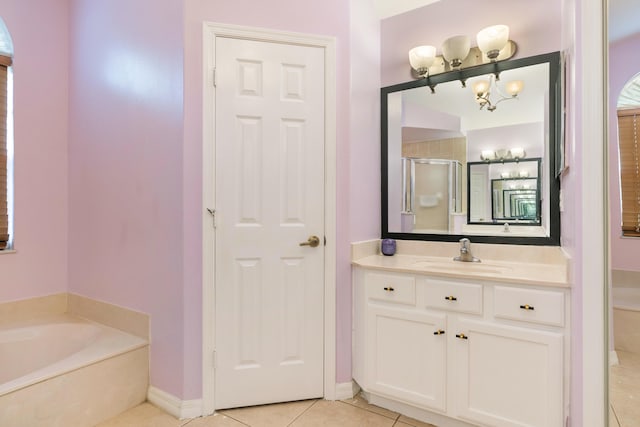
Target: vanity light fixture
{"type": "Point", "coordinates": [502, 154]}
{"type": "Point", "coordinates": [482, 90]}
{"type": "Point", "coordinates": [421, 58]}
{"type": "Point", "coordinates": [493, 45]}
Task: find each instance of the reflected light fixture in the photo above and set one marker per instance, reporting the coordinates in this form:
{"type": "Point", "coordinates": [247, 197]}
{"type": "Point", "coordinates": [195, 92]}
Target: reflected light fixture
{"type": "Point", "coordinates": [492, 40]}
{"type": "Point", "coordinates": [455, 49]}
{"type": "Point", "coordinates": [482, 90]}
{"type": "Point", "coordinates": [488, 155]}
{"type": "Point", "coordinates": [518, 153]}
{"type": "Point", "coordinates": [421, 58]}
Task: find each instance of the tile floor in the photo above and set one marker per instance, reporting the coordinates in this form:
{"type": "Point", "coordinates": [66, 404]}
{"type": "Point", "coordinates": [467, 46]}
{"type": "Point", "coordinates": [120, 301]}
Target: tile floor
{"type": "Point", "coordinates": [624, 409]}
{"type": "Point", "coordinates": [354, 412]}
{"type": "Point", "coordinates": [624, 391]}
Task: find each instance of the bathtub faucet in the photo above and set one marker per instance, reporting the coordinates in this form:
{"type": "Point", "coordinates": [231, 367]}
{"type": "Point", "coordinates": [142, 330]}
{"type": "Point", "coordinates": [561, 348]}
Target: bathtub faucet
{"type": "Point", "coordinates": [465, 252]}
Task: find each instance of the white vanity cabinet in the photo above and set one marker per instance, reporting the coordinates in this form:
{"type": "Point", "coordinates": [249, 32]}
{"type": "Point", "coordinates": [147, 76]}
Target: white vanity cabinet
{"type": "Point", "coordinates": [461, 351]}
{"type": "Point", "coordinates": [400, 338]}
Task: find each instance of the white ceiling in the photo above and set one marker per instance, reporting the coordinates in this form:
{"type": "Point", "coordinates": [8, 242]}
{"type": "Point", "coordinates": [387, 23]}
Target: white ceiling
{"type": "Point", "coordinates": [624, 18]}
{"type": "Point", "coordinates": [624, 15]}
{"type": "Point", "coordinates": [387, 8]}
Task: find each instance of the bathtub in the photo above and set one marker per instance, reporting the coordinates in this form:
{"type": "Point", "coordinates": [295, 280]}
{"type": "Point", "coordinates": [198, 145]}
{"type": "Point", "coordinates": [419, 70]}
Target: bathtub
{"type": "Point", "coordinates": [626, 298]}
{"type": "Point", "coordinates": [626, 318]}
{"type": "Point", "coordinates": [61, 370]}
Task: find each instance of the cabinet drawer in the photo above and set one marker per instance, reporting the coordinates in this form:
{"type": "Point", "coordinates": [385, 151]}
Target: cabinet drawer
{"type": "Point", "coordinates": [391, 288]}
{"type": "Point", "coordinates": [462, 297]}
{"type": "Point", "coordinates": [530, 305]}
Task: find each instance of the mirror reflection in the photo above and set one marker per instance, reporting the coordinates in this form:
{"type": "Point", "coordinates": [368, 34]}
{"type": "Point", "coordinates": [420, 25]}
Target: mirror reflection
{"type": "Point", "coordinates": [504, 193]}
{"type": "Point", "coordinates": [455, 167]}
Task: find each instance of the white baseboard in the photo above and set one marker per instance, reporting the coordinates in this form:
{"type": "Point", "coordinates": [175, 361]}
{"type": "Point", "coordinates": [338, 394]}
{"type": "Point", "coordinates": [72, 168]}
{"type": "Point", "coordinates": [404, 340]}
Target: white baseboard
{"type": "Point", "coordinates": [346, 390]}
{"type": "Point", "coordinates": [613, 358]}
{"type": "Point", "coordinates": [180, 409]}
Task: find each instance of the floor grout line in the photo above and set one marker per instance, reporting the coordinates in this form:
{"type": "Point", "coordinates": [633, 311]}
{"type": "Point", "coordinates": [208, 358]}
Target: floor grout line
{"type": "Point", "coordinates": [303, 412]}
{"type": "Point", "coordinates": [229, 416]}
{"type": "Point", "coordinates": [395, 418]}
{"type": "Point", "coordinates": [615, 414]}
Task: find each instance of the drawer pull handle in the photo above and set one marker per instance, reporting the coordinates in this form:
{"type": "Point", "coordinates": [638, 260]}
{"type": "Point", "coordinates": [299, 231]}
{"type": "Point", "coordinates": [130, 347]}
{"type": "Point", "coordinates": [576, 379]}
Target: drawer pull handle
{"type": "Point", "coordinates": [451, 298]}
{"type": "Point", "coordinates": [462, 336]}
{"type": "Point", "coordinates": [389, 289]}
{"type": "Point", "coordinates": [439, 332]}
{"type": "Point", "coordinates": [527, 307]}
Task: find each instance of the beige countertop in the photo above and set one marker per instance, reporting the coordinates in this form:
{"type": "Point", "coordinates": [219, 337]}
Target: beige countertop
{"type": "Point", "coordinates": [538, 273]}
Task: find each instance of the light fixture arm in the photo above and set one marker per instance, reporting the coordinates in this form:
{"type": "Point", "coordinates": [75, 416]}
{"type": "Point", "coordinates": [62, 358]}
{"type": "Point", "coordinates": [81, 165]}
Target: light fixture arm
{"type": "Point", "coordinates": [483, 96]}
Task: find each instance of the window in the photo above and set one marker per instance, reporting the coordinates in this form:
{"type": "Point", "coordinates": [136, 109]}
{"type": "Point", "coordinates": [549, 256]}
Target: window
{"type": "Point", "coordinates": [6, 138]}
{"type": "Point", "coordinates": [629, 129]}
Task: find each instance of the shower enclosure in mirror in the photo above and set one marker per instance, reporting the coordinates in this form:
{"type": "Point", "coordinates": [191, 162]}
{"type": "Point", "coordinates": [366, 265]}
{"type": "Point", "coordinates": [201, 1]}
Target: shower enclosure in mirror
{"type": "Point", "coordinates": [503, 159]}
{"type": "Point", "coordinates": [432, 194]}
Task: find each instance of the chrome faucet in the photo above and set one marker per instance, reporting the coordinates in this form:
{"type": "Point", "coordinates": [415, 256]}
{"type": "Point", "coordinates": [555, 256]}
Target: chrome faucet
{"type": "Point", "coordinates": [465, 252]}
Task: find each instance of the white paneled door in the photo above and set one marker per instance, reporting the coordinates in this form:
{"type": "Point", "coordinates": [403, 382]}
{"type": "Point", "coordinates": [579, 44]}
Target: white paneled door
{"type": "Point", "coordinates": [269, 197]}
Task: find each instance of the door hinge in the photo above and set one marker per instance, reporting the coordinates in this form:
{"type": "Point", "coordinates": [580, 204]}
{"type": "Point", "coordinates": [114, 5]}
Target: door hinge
{"type": "Point", "coordinates": [215, 83]}
{"type": "Point", "coordinates": [212, 212]}
{"type": "Point", "coordinates": [214, 360]}
{"type": "Point", "coordinates": [325, 240]}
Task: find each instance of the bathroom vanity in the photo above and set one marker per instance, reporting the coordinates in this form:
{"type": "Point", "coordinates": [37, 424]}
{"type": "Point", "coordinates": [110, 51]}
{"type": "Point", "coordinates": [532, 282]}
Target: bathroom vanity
{"type": "Point", "coordinates": [459, 344]}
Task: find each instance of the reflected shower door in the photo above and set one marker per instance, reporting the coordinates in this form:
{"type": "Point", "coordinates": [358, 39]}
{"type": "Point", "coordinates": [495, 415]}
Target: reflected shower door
{"type": "Point", "coordinates": [431, 202]}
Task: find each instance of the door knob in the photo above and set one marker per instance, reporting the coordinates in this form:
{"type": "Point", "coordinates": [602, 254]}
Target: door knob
{"type": "Point", "coordinates": [313, 242]}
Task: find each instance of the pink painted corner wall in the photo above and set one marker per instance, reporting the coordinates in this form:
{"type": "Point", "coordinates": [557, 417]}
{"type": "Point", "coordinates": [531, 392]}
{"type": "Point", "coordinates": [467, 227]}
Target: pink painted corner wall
{"type": "Point", "coordinates": [624, 64]}
{"type": "Point", "coordinates": [434, 23]}
{"type": "Point", "coordinates": [364, 123]}
{"type": "Point", "coordinates": [40, 38]}
{"type": "Point", "coordinates": [125, 167]}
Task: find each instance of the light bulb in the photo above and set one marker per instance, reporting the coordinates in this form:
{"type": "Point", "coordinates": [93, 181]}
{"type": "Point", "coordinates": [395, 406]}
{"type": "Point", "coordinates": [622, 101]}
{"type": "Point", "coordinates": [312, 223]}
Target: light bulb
{"type": "Point", "coordinates": [492, 40]}
{"type": "Point", "coordinates": [514, 87]}
{"type": "Point", "coordinates": [518, 153]}
{"type": "Point", "coordinates": [487, 155]}
{"type": "Point", "coordinates": [481, 87]}
{"type": "Point", "coordinates": [421, 58]}
{"type": "Point", "coordinates": [455, 50]}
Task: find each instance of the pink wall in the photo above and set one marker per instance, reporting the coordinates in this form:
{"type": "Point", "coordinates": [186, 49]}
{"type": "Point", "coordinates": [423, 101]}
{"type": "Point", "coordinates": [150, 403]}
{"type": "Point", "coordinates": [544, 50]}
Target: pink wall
{"type": "Point", "coordinates": [40, 38]}
{"type": "Point", "coordinates": [364, 143]}
{"type": "Point", "coordinates": [624, 64]}
{"type": "Point", "coordinates": [434, 23]}
{"type": "Point", "coordinates": [125, 167]}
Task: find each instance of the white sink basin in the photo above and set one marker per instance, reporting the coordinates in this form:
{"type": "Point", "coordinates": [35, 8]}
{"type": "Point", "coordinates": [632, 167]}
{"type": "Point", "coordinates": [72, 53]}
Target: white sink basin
{"type": "Point", "coordinates": [463, 267]}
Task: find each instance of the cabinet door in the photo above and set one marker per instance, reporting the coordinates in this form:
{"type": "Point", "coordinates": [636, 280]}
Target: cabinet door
{"type": "Point", "coordinates": [508, 376]}
{"type": "Point", "coordinates": [407, 355]}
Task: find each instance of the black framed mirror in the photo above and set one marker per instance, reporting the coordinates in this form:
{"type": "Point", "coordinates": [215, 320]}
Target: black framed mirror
{"type": "Point", "coordinates": [433, 132]}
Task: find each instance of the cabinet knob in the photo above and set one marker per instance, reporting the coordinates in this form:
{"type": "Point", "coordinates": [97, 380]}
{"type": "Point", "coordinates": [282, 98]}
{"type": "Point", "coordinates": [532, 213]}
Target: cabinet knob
{"type": "Point", "coordinates": [527, 307]}
{"type": "Point", "coordinates": [389, 289]}
{"type": "Point", "coordinates": [462, 336]}
{"type": "Point", "coordinates": [451, 298]}
{"type": "Point", "coordinates": [439, 332]}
